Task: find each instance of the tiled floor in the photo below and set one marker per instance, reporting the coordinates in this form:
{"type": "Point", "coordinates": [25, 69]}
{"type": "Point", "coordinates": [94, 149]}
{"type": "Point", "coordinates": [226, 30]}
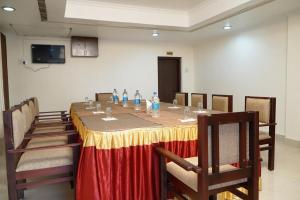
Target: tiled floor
{"type": "Point", "coordinates": [281, 184]}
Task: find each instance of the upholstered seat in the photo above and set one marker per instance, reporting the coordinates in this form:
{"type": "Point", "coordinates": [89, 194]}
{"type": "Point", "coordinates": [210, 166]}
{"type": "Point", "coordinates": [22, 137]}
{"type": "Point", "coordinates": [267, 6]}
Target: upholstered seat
{"type": "Point", "coordinates": [190, 178]}
{"type": "Point", "coordinates": [42, 159]}
{"type": "Point", "coordinates": [182, 98]}
{"type": "Point", "coordinates": [260, 105]}
{"type": "Point", "coordinates": [47, 141]}
{"type": "Point", "coordinates": [197, 98]}
{"type": "Point", "coordinates": [47, 121]}
{"type": "Point", "coordinates": [43, 151]}
{"type": "Point", "coordinates": [103, 96]}
{"type": "Point", "coordinates": [58, 128]}
{"type": "Point", "coordinates": [222, 103]}
{"type": "Point", "coordinates": [264, 135]}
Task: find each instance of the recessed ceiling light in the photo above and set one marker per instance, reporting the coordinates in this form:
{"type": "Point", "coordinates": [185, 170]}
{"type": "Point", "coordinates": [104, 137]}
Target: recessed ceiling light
{"type": "Point", "coordinates": [155, 33]}
{"type": "Point", "coordinates": [8, 8]}
{"type": "Point", "coordinates": [227, 27]}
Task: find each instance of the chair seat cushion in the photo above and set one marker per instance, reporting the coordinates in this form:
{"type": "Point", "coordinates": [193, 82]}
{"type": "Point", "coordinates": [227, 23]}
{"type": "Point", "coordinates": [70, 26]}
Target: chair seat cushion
{"type": "Point", "coordinates": [42, 159]}
{"type": "Point", "coordinates": [47, 141]}
{"type": "Point", "coordinates": [264, 135]}
{"type": "Point", "coordinates": [189, 178]}
{"type": "Point", "coordinates": [56, 128]}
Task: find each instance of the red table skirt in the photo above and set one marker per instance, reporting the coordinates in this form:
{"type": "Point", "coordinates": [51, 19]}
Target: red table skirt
{"type": "Point", "coordinates": [124, 174]}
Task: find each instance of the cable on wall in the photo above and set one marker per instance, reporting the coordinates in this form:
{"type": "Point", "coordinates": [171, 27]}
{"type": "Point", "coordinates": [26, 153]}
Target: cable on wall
{"type": "Point", "coordinates": [25, 63]}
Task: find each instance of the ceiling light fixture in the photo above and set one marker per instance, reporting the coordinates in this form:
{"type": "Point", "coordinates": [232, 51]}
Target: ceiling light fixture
{"type": "Point", "coordinates": [155, 33]}
{"type": "Point", "coordinates": [8, 8]}
{"type": "Point", "coordinates": [227, 27]}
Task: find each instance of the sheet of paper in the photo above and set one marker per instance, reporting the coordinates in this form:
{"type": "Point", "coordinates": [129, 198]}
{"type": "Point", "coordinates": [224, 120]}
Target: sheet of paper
{"type": "Point", "coordinates": [174, 107]}
{"type": "Point", "coordinates": [109, 119]}
{"type": "Point", "coordinates": [98, 112]}
{"type": "Point", "coordinates": [187, 120]}
{"type": "Point", "coordinates": [90, 108]}
{"type": "Point", "coordinates": [200, 111]}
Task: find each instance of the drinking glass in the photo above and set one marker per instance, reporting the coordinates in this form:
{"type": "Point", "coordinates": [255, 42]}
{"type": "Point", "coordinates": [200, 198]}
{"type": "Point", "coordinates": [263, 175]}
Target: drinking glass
{"type": "Point", "coordinates": [90, 103]}
{"type": "Point", "coordinates": [175, 102]}
{"type": "Point", "coordinates": [86, 100]}
{"type": "Point", "coordinates": [186, 113]}
{"type": "Point", "coordinates": [108, 112]}
{"type": "Point", "coordinates": [200, 105]}
{"type": "Point", "coordinates": [98, 106]}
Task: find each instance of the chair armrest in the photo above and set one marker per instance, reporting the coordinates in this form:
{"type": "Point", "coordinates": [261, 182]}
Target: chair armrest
{"type": "Point", "coordinates": [267, 124]}
{"type": "Point", "coordinates": [58, 111]}
{"type": "Point", "coordinates": [49, 124]}
{"type": "Point", "coordinates": [50, 134]}
{"type": "Point", "coordinates": [53, 115]}
{"type": "Point", "coordinates": [52, 118]}
{"type": "Point", "coordinates": [178, 160]}
{"type": "Point", "coordinates": [17, 151]}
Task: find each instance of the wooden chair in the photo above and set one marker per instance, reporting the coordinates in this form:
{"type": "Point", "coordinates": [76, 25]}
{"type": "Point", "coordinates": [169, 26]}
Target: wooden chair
{"type": "Point", "coordinates": [182, 98]}
{"type": "Point", "coordinates": [49, 117]}
{"type": "Point", "coordinates": [199, 98]}
{"type": "Point", "coordinates": [103, 96]}
{"type": "Point", "coordinates": [223, 139]}
{"type": "Point", "coordinates": [222, 103]}
{"type": "Point", "coordinates": [267, 118]}
{"type": "Point", "coordinates": [41, 155]}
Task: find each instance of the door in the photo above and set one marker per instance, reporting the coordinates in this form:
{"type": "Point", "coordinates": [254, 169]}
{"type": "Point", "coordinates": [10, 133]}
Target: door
{"type": "Point", "coordinates": [168, 78]}
{"type": "Point", "coordinates": [4, 95]}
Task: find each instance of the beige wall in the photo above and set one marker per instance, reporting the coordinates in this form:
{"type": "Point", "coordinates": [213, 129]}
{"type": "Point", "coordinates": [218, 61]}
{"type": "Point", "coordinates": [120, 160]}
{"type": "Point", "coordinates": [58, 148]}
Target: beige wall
{"type": "Point", "coordinates": [121, 64]}
{"type": "Point", "coordinates": [262, 61]}
{"type": "Point", "coordinates": [293, 79]}
{"type": "Point", "coordinates": [251, 62]}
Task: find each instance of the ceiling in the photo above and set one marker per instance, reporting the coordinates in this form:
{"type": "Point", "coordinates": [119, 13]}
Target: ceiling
{"type": "Point", "coordinates": [165, 4]}
{"type": "Point", "coordinates": [26, 21]}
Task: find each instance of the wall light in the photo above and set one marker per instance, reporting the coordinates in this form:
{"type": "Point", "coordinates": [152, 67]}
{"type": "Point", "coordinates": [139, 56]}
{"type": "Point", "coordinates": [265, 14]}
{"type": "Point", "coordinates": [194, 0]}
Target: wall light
{"type": "Point", "coordinates": [227, 27]}
{"type": "Point", "coordinates": [155, 33]}
{"type": "Point", "coordinates": [8, 8]}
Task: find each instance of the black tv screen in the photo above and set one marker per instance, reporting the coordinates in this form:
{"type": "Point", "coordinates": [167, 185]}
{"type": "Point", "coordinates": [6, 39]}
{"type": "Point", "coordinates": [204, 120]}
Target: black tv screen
{"type": "Point", "coordinates": [41, 53]}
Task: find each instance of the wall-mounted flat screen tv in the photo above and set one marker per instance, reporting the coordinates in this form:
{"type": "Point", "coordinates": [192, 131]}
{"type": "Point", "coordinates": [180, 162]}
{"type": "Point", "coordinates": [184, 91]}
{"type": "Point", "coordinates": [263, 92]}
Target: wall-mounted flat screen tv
{"type": "Point", "coordinates": [42, 53]}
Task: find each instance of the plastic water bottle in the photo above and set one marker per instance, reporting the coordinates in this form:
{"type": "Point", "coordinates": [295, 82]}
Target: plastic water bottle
{"type": "Point", "coordinates": [137, 100]}
{"type": "Point", "coordinates": [155, 105]}
{"type": "Point", "coordinates": [125, 98]}
{"type": "Point", "coordinates": [115, 97]}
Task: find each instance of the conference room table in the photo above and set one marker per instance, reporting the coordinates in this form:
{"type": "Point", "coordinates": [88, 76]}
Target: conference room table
{"type": "Point", "coordinates": [117, 159]}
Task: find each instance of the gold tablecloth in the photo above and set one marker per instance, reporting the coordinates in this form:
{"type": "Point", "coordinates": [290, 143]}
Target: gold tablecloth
{"type": "Point", "coordinates": [133, 128]}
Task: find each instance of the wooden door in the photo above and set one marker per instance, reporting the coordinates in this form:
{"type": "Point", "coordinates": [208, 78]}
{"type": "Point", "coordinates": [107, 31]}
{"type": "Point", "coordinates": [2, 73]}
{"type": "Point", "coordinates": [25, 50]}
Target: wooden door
{"type": "Point", "coordinates": [169, 78]}
{"type": "Point", "coordinates": [3, 57]}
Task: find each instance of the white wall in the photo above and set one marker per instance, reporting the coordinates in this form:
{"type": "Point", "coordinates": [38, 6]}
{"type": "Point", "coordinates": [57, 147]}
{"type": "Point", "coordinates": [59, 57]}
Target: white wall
{"type": "Point", "coordinates": [121, 64]}
{"type": "Point", "coordinates": [252, 62]}
{"type": "Point", "coordinates": [293, 79]}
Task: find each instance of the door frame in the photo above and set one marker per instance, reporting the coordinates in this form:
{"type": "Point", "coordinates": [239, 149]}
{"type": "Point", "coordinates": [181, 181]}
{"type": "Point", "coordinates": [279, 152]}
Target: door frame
{"type": "Point", "coordinates": [4, 71]}
{"type": "Point", "coordinates": [171, 58]}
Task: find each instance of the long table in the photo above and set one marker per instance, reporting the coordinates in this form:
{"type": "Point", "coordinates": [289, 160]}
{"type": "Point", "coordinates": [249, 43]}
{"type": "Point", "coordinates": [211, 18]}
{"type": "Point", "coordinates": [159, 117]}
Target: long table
{"type": "Point", "coordinates": [117, 157]}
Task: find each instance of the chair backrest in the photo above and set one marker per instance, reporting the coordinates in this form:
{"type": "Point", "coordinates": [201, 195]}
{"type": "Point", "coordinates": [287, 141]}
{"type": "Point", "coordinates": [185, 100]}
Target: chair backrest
{"type": "Point", "coordinates": [18, 127]}
{"type": "Point", "coordinates": [266, 106]}
{"type": "Point", "coordinates": [182, 98]}
{"type": "Point", "coordinates": [28, 115]}
{"type": "Point", "coordinates": [103, 96]}
{"type": "Point", "coordinates": [228, 138]}
{"type": "Point", "coordinates": [32, 108]}
{"type": "Point", "coordinates": [222, 102]}
{"type": "Point", "coordinates": [36, 105]}
{"type": "Point", "coordinates": [199, 98]}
